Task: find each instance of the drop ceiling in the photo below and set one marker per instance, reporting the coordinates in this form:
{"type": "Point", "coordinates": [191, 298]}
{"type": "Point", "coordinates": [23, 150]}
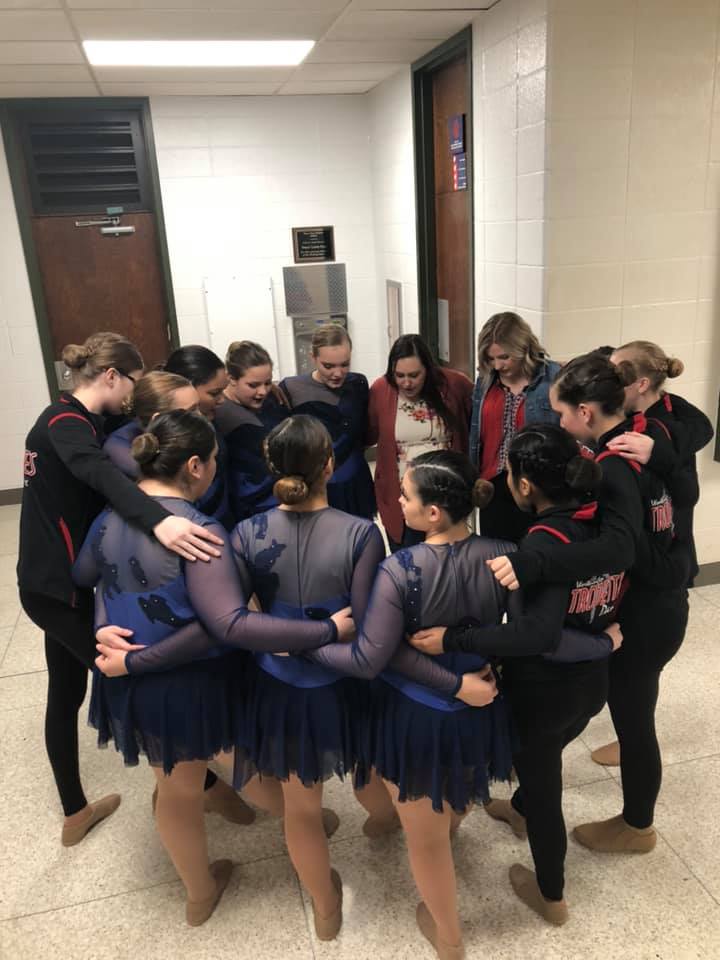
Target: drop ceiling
{"type": "Point", "coordinates": [358, 43]}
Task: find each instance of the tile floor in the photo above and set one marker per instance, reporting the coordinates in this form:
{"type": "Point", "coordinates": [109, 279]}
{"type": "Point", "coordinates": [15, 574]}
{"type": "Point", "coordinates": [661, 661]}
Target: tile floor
{"type": "Point", "coordinates": [115, 895]}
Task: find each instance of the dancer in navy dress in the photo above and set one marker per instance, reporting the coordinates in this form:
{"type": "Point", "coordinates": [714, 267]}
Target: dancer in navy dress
{"type": "Point", "coordinates": [180, 718]}
{"type": "Point", "coordinates": [156, 392]}
{"type": "Point", "coordinates": [636, 532]}
{"type": "Point", "coordinates": [250, 412]}
{"type": "Point", "coordinates": [553, 690]}
{"type": "Point", "coordinates": [339, 399]}
{"type": "Point", "coordinates": [206, 372]}
{"type": "Point", "coordinates": [434, 752]}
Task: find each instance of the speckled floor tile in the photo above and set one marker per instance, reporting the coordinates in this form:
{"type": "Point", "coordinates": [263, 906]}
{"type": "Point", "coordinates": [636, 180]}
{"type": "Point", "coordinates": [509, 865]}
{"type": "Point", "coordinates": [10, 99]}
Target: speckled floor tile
{"type": "Point", "coordinates": [25, 652]}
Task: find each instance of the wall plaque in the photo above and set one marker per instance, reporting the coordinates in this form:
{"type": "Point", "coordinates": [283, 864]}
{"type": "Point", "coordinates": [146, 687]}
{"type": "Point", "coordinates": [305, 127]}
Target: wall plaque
{"type": "Point", "coordinates": [313, 244]}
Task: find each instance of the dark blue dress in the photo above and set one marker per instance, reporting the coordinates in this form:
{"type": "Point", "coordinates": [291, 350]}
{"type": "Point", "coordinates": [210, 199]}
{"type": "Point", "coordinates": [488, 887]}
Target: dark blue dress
{"type": "Point", "coordinates": [214, 503]}
{"type": "Point", "coordinates": [188, 711]}
{"type": "Point", "coordinates": [421, 738]}
{"type": "Point", "coordinates": [244, 431]}
{"type": "Point", "coordinates": [344, 414]}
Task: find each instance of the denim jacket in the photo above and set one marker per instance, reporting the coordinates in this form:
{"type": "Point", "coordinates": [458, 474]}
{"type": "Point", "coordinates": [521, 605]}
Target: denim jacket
{"type": "Point", "coordinates": [537, 403]}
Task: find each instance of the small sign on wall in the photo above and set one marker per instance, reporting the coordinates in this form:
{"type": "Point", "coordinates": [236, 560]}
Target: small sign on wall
{"type": "Point", "coordinates": [459, 171]}
{"type": "Point", "coordinates": [456, 129]}
{"type": "Point", "coordinates": [313, 244]}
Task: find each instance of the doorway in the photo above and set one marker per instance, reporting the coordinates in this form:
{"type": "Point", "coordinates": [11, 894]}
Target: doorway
{"type": "Point", "coordinates": [87, 198]}
{"type": "Point", "coordinates": [442, 106]}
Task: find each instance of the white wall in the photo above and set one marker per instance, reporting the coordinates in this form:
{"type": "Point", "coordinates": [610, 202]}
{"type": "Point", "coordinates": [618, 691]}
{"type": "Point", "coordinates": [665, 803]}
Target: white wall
{"type": "Point", "coordinates": [633, 194]}
{"type": "Point", "coordinates": [509, 81]}
{"type": "Point", "coordinates": [237, 173]}
{"type": "Point", "coordinates": [22, 373]}
{"type": "Point", "coordinates": [393, 181]}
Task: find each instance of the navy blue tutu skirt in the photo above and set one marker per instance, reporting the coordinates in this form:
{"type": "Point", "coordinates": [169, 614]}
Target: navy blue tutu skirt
{"type": "Point", "coordinates": [356, 495]}
{"type": "Point", "coordinates": [312, 732]}
{"type": "Point", "coordinates": [183, 714]}
{"type": "Point", "coordinates": [448, 756]}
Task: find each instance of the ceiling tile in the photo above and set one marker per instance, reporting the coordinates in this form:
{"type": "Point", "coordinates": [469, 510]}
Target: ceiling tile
{"type": "Point", "coordinates": [156, 89]}
{"type": "Point", "coordinates": [41, 53]}
{"type": "Point", "coordinates": [301, 88]}
{"type": "Point", "coordinates": [34, 25]}
{"type": "Point", "coordinates": [399, 24]}
{"type": "Point", "coordinates": [48, 89]}
{"type": "Point", "coordinates": [390, 51]}
{"type": "Point", "coordinates": [319, 72]}
{"type": "Point", "coordinates": [192, 75]}
{"type": "Point", "coordinates": [202, 25]}
{"type": "Point", "coordinates": [42, 73]}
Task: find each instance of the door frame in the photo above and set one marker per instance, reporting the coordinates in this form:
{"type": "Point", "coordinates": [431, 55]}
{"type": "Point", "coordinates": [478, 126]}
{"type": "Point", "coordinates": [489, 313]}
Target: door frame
{"type": "Point", "coordinates": [23, 207]}
{"type": "Point", "coordinates": [422, 71]}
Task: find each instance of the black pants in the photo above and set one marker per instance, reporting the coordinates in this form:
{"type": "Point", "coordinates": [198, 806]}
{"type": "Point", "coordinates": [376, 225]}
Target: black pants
{"type": "Point", "coordinates": [550, 704]}
{"type": "Point", "coordinates": [502, 519]}
{"type": "Point", "coordinates": [69, 654]}
{"type": "Point", "coordinates": [653, 630]}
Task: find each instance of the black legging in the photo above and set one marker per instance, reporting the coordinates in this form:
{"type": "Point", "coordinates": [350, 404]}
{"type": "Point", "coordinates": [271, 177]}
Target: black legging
{"type": "Point", "coordinates": [550, 704]}
{"type": "Point", "coordinates": [69, 654]}
{"type": "Point", "coordinates": [653, 629]}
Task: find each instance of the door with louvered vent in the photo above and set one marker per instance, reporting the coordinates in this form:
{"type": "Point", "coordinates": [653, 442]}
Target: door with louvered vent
{"type": "Point", "coordinates": [94, 226]}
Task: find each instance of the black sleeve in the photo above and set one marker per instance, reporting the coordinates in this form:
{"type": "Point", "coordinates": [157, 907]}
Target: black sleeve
{"type": "Point", "coordinates": [691, 429]}
{"type": "Point", "coordinates": [665, 457]}
{"type": "Point", "coordinates": [220, 603]}
{"type": "Point", "coordinates": [612, 551]}
{"type": "Point", "coordinates": [74, 441]}
{"type": "Point", "coordinates": [578, 645]}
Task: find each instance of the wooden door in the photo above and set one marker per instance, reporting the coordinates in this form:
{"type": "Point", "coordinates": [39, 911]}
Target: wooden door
{"type": "Point", "coordinates": [453, 216]}
{"type": "Point", "coordinates": [94, 282]}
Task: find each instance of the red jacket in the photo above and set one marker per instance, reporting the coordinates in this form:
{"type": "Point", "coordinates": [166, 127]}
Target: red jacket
{"type": "Point", "coordinates": [382, 411]}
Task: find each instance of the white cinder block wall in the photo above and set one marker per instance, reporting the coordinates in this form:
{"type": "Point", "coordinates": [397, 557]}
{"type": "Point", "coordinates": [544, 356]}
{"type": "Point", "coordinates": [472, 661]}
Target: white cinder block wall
{"type": "Point", "coordinates": [237, 173]}
{"type": "Point", "coordinates": [633, 194]}
{"type": "Point", "coordinates": [509, 81]}
{"type": "Point", "coordinates": [21, 368]}
{"type": "Point", "coordinates": [393, 182]}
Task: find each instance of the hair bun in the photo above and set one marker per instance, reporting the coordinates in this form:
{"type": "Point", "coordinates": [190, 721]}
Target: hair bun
{"type": "Point", "coordinates": [482, 493]}
{"type": "Point", "coordinates": [582, 474]}
{"type": "Point", "coordinates": [145, 447]}
{"type": "Point", "coordinates": [291, 490]}
{"type": "Point", "coordinates": [674, 367]}
{"type": "Point", "coordinates": [75, 355]}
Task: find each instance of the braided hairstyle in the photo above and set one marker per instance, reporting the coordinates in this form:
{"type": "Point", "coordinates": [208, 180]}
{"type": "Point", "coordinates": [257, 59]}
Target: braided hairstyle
{"type": "Point", "coordinates": [447, 479]}
{"type": "Point", "coordinates": [296, 452]}
{"type": "Point", "coordinates": [551, 460]}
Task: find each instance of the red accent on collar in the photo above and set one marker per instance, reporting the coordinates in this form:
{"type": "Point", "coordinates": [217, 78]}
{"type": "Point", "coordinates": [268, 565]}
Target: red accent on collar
{"type": "Point", "coordinates": [668, 402]}
{"type": "Point", "coordinates": [639, 422]}
{"type": "Point", "coordinates": [587, 512]}
{"type": "Point", "coordinates": [551, 530]}
{"type": "Point", "coordinates": [613, 453]}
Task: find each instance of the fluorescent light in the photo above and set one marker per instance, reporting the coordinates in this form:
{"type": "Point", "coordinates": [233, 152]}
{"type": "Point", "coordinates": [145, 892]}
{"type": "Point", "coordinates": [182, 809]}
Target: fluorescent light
{"type": "Point", "coordinates": [197, 53]}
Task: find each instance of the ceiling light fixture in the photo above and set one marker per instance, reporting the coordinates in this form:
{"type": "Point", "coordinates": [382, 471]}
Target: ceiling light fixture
{"type": "Point", "coordinates": [197, 53]}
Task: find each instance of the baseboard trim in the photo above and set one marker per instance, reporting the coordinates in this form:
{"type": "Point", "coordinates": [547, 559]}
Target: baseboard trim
{"type": "Point", "coordinates": [9, 497]}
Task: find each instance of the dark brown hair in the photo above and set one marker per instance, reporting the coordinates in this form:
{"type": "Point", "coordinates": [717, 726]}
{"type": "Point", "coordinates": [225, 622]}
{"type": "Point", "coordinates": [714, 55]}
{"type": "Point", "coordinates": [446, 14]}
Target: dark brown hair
{"type": "Point", "coordinates": [296, 452]}
{"type": "Point", "coordinates": [550, 458]}
{"type": "Point", "coordinates": [412, 345]}
{"type": "Point", "coordinates": [169, 442]}
{"type": "Point", "coordinates": [593, 379]}
{"type": "Point", "coordinates": [448, 479]}
{"type": "Point", "coordinates": [244, 354]}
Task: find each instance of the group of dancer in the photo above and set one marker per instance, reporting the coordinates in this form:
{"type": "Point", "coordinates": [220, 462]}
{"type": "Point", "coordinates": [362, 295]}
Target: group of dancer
{"type": "Point", "coordinates": [216, 564]}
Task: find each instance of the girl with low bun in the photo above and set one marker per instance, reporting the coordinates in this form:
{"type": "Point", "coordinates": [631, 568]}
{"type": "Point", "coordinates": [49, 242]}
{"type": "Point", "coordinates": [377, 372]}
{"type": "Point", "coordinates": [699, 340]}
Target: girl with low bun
{"type": "Point", "coordinates": [553, 651]}
{"type": "Point", "coordinates": [434, 739]}
{"type": "Point", "coordinates": [155, 393]}
{"type": "Point", "coordinates": [250, 411]}
{"type": "Point", "coordinates": [637, 534]}
{"type": "Point", "coordinates": [182, 703]}
{"type": "Point", "coordinates": [68, 478]}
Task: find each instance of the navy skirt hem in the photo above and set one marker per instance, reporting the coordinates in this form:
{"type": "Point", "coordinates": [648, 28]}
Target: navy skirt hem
{"type": "Point", "coordinates": [314, 733]}
{"type": "Point", "coordinates": [448, 757]}
{"type": "Point", "coordinates": [181, 715]}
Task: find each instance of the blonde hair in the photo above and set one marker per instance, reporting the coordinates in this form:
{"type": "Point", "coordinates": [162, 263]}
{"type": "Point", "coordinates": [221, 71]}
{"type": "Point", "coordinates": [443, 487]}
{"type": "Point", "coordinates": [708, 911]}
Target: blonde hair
{"type": "Point", "coordinates": [329, 335]}
{"type": "Point", "coordinates": [651, 361]}
{"type": "Point", "coordinates": [154, 393]}
{"type": "Point", "coordinates": [516, 336]}
{"type": "Point", "coordinates": [101, 352]}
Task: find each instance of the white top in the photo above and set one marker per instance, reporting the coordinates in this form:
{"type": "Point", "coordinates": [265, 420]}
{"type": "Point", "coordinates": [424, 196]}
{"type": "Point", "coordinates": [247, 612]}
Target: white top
{"type": "Point", "coordinates": [418, 430]}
